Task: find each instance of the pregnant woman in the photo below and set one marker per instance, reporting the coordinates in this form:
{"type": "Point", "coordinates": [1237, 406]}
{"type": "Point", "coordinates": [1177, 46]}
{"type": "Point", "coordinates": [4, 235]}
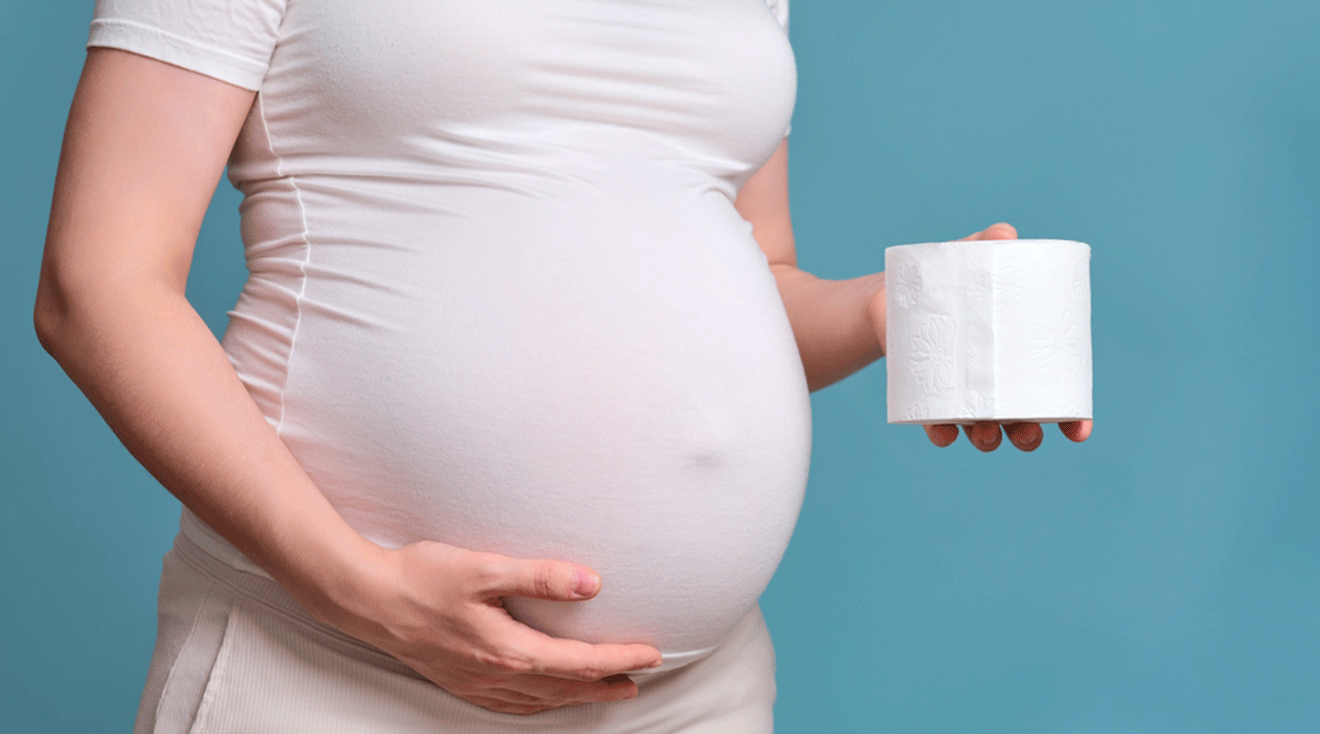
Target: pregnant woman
{"type": "Point", "coordinates": [511, 414]}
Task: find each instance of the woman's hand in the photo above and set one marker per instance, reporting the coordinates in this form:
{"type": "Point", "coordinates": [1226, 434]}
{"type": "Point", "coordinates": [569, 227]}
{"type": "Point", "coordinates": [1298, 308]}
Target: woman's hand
{"type": "Point", "coordinates": [439, 609]}
{"type": "Point", "coordinates": [987, 435]}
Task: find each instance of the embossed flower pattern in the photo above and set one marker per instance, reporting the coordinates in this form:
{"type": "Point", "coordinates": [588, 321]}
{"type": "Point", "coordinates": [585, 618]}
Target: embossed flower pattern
{"type": "Point", "coordinates": [976, 405]}
{"type": "Point", "coordinates": [916, 413]}
{"type": "Point", "coordinates": [980, 288]}
{"type": "Point", "coordinates": [1087, 367]}
{"type": "Point", "coordinates": [1012, 286]}
{"type": "Point", "coordinates": [1081, 278]}
{"type": "Point", "coordinates": [1021, 317]}
{"type": "Point", "coordinates": [906, 285]}
{"type": "Point", "coordinates": [1054, 341]}
{"type": "Point", "coordinates": [932, 354]}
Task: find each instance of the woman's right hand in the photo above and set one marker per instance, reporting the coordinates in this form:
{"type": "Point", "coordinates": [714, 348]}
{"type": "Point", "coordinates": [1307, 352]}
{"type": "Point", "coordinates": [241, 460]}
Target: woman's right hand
{"type": "Point", "coordinates": [439, 609]}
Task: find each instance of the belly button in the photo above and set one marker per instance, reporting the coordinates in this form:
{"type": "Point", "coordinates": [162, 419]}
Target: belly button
{"type": "Point", "coordinates": [706, 460]}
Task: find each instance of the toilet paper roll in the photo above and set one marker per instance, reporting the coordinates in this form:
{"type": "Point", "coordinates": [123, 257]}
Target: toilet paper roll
{"type": "Point", "coordinates": [989, 330]}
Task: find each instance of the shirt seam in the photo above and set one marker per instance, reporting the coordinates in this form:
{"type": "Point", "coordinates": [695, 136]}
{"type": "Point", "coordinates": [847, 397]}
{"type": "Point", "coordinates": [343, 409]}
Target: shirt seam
{"type": "Point", "coordinates": [305, 235]}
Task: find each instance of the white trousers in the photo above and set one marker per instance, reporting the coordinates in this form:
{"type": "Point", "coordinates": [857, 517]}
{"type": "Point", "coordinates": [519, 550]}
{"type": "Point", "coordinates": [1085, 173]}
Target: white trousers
{"type": "Point", "coordinates": [235, 654]}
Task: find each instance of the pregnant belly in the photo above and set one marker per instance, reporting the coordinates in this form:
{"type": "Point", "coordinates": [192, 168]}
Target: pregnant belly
{"type": "Point", "coordinates": [647, 418]}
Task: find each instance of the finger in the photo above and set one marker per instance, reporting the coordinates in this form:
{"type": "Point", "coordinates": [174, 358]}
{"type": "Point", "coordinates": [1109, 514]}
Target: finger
{"type": "Point", "coordinates": [505, 707]}
{"type": "Point", "coordinates": [493, 575]}
{"type": "Point", "coordinates": [1025, 436]}
{"type": "Point", "coordinates": [531, 667]}
{"type": "Point", "coordinates": [1076, 431]}
{"type": "Point", "coordinates": [942, 434]}
{"type": "Point", "coordinates": [1000, 231]}
{"type": "Point", "coordinates": [573, 659]}
{"type": "Point", "coordinates": [539, 690]}
{"type": "Point", "coordinates": [547, 689]}
{"type": "Point", "coordinates": [984, 435]}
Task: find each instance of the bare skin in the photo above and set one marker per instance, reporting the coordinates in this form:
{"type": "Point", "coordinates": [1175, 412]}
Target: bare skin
{"type": "Point", "coordinates": [840, 324]}
{"type": "Point", "coordinates": [144, 148]}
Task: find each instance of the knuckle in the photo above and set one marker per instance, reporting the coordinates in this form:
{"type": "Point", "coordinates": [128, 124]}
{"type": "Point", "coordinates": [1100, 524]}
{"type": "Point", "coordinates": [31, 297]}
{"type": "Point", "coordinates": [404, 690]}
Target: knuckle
{"type": "Point", "coordinates": [506, 662]}
{"type": "Point", "coordinates": [590, 673]}
{"type": "Point", "coordinates": [617, 694]}
{"type": "Point", "coordinates": [543, 580]}
{"type": "Point", "coordinates": [518, 665]}
{"type": "Point", "coordinates": [485, 572]}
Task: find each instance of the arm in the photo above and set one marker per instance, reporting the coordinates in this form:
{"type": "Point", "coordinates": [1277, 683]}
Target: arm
{"type": "Point", "coordinates": [840, 324]}
{"type": "Point", "coordinates": [144, 148]}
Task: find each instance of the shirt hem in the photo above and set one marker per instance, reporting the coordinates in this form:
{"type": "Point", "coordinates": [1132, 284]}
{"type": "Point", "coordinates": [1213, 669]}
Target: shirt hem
{"type": "Point", "coordinates": [161, 45]}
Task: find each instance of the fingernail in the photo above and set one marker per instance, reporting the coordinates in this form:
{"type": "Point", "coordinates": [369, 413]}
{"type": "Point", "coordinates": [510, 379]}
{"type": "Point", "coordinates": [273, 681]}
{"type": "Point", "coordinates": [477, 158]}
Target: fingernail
{"type": "Point", "coordinates": [584, 584]}
{"type": "Point", "coordinates": [657, 663]}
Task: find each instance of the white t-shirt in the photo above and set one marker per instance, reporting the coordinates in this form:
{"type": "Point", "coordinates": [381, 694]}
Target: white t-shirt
{"type": "Point", "coordinates": [500, 296]}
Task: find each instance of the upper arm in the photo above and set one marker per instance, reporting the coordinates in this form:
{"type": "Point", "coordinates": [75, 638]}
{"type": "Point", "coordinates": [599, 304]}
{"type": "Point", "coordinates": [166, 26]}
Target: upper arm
{"type": "Point", "coordinates": [144, 148]}
{"type": "Point", "coordinates": [763, 201]}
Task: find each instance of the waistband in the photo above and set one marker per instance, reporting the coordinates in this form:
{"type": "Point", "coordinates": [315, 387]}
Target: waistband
{"type": "Point", "coordinates": [208, 553]}
{"type": "Point", "coordinates": [263, 591]}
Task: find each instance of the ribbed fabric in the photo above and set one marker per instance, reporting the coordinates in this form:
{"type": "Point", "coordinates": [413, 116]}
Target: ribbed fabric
{"type": "Point", "coordinates": [236, 654]}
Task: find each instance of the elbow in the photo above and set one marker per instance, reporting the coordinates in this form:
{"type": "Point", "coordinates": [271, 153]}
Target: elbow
{"type": "Point", "coordinates": [50, 317]}
{"type": "Point", "coordinates": [817, 381]}
{"type": "Point", "coordinates": [45, 319]}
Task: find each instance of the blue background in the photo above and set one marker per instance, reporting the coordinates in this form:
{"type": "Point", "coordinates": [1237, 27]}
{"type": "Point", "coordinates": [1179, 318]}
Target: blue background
{"type": "Point", "coordinates": [1163, 577]}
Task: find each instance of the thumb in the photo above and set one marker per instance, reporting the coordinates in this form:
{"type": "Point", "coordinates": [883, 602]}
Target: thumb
{"type": "Point", "coordinates": [1000, 231]}
{"type": "Point", "coordinates": [538, 579]}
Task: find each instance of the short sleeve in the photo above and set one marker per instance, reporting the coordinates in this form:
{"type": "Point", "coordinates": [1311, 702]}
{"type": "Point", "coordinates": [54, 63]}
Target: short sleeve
{"type": "Point", "coordinates": [780, 10]}
{"type": "Point", "coordinates": [231, 40]}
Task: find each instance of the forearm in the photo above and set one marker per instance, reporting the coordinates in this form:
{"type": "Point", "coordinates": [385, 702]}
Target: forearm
{"type": "Point", "coordinates": [839, 324]}
{"type": "Point", "coordinates": [149, 364]}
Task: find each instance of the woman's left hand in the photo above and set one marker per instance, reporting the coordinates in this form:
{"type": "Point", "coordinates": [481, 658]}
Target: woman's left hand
{"type": "Point", "coordinates": [987, 435]}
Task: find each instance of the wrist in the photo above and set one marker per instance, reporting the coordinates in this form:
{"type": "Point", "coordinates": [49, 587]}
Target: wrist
{"type": "Point", "coordinates": [308, 548]}
{"type": "Point", "coordinates": [382, 595]}
{"type": "Point", "coordinates": [342, 580]}
{"type": "Point", "coordinates": [877, 312]}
